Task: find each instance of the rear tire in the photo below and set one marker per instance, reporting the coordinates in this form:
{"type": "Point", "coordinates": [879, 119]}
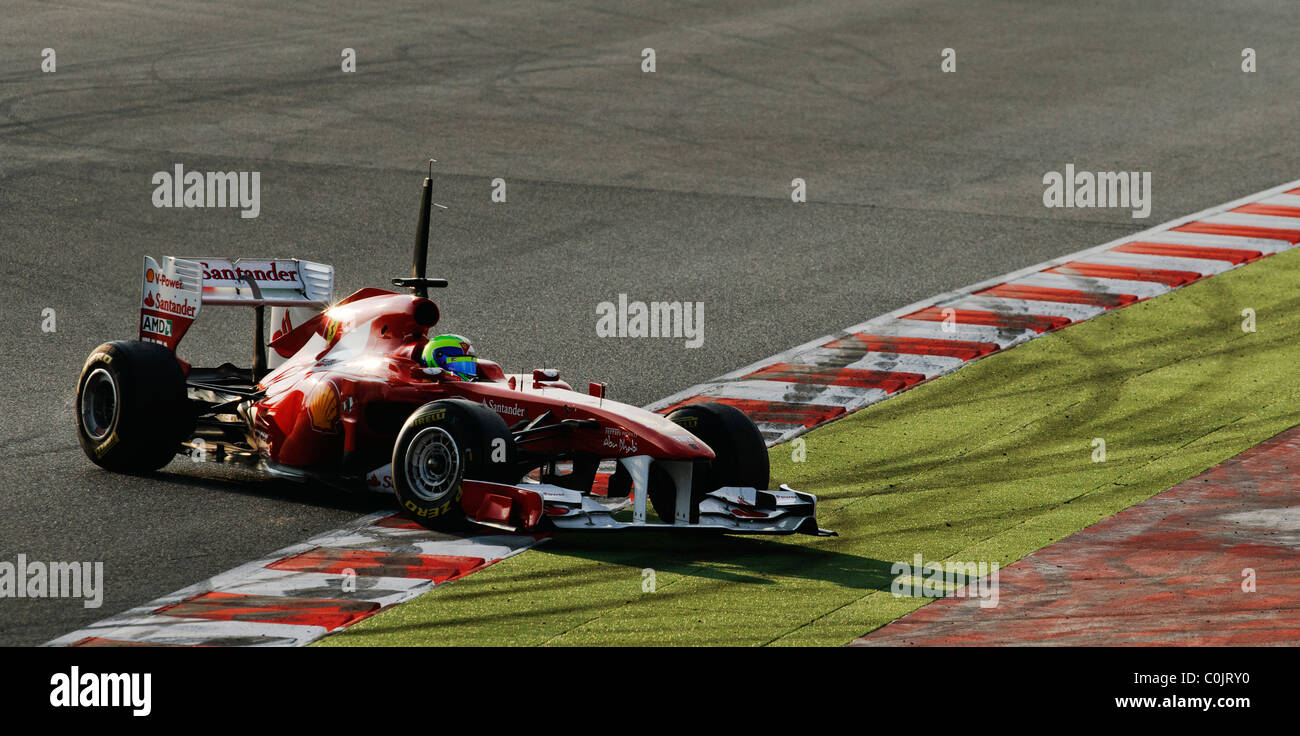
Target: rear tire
{"type": "Point", "coordinates": [740, 457]}
{"type": "Point", "coordinates": [132, 409]}
{"type": "Point", "coordinates": [443, 443]}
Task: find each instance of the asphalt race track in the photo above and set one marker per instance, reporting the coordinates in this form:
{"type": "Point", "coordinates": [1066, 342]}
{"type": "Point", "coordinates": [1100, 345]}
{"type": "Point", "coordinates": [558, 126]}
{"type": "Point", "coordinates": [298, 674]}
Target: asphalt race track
{"type": "Point", "coordinates": [665, 186]}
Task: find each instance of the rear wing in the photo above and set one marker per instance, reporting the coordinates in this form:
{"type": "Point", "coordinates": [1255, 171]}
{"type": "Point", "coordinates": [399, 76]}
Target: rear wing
{"type": "Point", "coordinates": [174, 291]}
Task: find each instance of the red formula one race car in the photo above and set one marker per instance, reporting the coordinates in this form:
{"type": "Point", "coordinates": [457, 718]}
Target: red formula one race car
{"type": "Point", "coordinates": [346, 394]}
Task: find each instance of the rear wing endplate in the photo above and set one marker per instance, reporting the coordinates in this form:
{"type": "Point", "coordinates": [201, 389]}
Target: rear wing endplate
{"type": "Point", "coordinates": [173, 292]}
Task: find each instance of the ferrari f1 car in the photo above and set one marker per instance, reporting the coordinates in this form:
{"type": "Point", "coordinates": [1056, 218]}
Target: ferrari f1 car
{"type": "Point", "coordinates": [341, 396]}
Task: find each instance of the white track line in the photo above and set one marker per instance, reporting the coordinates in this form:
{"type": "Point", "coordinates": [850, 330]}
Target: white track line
{"type": "Point", "coordinates": [1163, 263]}
{"type": "Point", "coordinates": [1075, 312]}
{"type": "Point", "coordinates": [1263, 245]}
{"type": "Point", "coordinates": [1238, 218]}
{"type": "Point", "coordinates": [1284, 200]}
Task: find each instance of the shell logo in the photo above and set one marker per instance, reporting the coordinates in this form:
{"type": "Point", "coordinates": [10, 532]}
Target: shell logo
{"type": "Point", "coordinates": [148, 275]}
{"type": "Point", "coordinates": [323, 407]}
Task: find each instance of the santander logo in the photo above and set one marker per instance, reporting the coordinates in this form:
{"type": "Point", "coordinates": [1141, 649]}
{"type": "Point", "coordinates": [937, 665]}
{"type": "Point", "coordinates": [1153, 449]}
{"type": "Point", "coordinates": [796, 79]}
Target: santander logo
{"type": "Point", "coordinates": [271, 271]}
{"type": "Point", "coordinates": [180, 309]}
{"type": "Point", "coordinates": [515, 411]}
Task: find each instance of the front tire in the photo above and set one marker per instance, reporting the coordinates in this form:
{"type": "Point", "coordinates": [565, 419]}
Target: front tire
{"type": "Point", "coordinates": [132, 409]}
{"type": "Point", "coordinates": [443, 443]}
{"type": "Point", "coordinates": [740, 457]}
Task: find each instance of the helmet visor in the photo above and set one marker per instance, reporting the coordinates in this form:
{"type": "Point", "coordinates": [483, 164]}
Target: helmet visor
{"type": "Point", "coordinates": [465, 365]}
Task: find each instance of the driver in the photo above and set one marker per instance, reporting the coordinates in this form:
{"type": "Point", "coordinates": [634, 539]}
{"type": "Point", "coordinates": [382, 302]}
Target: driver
{"type": "Point", "coordinates": [452, 353]}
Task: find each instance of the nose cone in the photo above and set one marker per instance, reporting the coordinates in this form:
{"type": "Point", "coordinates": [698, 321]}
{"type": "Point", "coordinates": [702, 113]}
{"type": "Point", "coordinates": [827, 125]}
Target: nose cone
{"type": "Point", "coordinates": [677, 443]}
{"type": "Point", "coordinates": [652, 433]}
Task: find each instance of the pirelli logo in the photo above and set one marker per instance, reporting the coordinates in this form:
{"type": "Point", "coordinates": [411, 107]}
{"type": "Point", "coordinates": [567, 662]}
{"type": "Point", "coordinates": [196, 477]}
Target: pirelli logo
{"type": "Point", "coordinates": [156, 325]}
{"type": "Point", "coordinates": [434, 415]}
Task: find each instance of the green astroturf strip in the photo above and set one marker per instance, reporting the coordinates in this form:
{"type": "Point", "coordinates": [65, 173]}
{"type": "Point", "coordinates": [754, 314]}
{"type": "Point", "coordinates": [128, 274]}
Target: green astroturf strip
{"type": "Point", "coordinates": [988, 464]}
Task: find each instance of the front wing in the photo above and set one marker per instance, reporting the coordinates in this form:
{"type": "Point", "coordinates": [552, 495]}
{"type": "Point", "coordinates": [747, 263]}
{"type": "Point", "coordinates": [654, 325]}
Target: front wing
{"type": "Point", "coordinates": [730, 510]}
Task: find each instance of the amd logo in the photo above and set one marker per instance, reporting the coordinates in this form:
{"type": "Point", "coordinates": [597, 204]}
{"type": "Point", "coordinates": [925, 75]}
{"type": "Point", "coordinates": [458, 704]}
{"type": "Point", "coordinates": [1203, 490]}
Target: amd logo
{"type": "Point", "coordinates": [156, 325]}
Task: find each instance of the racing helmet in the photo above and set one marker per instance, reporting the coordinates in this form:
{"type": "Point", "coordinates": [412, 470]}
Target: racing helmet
{"type": "Point", "coordinates": [452, 353]}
